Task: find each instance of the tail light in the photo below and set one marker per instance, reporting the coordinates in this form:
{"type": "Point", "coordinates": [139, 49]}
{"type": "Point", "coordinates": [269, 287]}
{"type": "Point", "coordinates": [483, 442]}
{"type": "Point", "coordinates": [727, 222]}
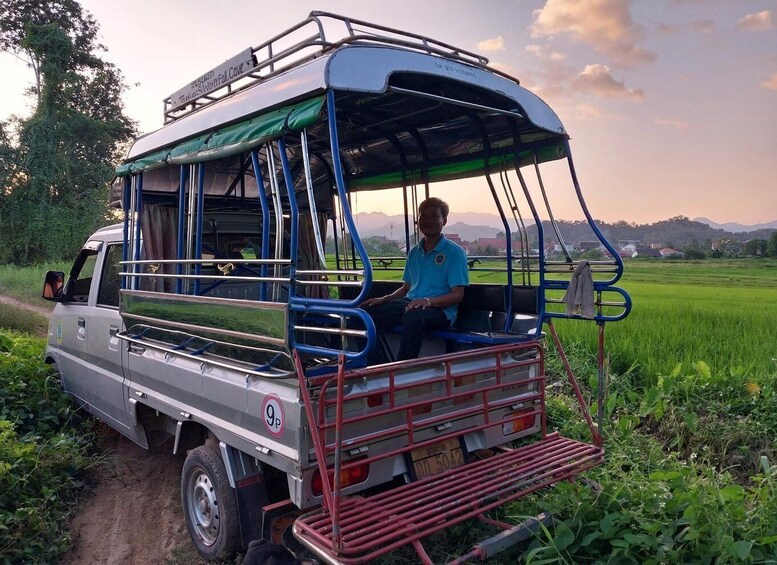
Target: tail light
{"type": "Point", "coordinates": [350, 476]}
{"type": "Point", "coordinates": [518, 422]}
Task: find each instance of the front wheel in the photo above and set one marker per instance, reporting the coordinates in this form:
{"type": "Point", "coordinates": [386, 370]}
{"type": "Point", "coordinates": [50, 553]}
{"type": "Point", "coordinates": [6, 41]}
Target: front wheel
{"type": "Point", "coordinates": [209, 504]}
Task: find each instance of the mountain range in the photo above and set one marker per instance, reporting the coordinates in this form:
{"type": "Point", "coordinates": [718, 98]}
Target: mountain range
{"type": "Point", "coordinates": [733, 227]}
{"type": "Point", "coordinates": [470, 226]}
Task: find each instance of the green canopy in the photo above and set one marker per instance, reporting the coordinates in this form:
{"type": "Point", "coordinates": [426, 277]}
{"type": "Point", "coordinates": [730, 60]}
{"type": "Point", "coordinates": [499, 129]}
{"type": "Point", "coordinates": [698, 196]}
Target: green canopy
{"type": "Point", "coordinates": [457, 169]}
{"type": "Point", "coordinates": [233, 139]}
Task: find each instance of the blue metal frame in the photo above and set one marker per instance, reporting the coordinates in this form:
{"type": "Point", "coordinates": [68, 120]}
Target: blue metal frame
{"type": "Point", "coordinates": [125, 203]}
{"type": "Point", "coordinates": [599, 286]}
{"type": "Point", "coordinates": [265, 220]}
{"type": "Point", "coordinates": [198, 228]}
{"type": "Point", "coordinates": [138, 223]}
{"type": "Point", "coordinates": [184, 178]}
{"type": "Point", "coordinates": [349, 308]}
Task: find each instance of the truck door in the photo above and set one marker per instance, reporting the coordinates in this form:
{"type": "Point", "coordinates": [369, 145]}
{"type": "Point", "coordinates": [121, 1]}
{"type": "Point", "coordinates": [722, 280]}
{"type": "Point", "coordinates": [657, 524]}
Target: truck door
{"type": "Point", "coordinates": [87, 322]}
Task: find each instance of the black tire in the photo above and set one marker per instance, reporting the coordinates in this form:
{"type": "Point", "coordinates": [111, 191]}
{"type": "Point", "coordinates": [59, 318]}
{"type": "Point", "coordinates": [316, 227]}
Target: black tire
{"type": "Point", "coordinates": [209, 504]}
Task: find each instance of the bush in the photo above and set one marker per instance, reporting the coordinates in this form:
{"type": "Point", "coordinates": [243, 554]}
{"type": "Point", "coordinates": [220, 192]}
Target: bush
{"type": "Point", "coordinates": [43, 446]}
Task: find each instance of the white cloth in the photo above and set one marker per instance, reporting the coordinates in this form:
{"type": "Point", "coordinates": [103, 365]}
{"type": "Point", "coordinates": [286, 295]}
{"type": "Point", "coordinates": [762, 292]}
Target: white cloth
{"type": "Point", "coordinates": [579, 297]}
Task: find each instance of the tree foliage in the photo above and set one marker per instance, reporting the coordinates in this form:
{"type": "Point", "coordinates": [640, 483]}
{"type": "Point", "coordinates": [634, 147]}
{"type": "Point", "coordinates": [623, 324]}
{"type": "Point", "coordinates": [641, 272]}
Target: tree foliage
{"type": "Point", "coordinates": [56, 173]}
{"type": "Point", "coordinates": [771, 245]}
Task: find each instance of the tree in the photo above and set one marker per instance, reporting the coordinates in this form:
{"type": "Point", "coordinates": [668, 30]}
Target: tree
{"type": "Point", "coordinates": [771, 246]}
{"type": "Point", "coordinates": [18, 19]}
{"type": "Point", "coordinates": [755, 247]}
{"type": "Point", "coordinates": [64, 156]}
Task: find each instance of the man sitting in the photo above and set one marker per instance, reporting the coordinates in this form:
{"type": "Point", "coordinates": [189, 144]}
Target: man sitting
{"type": "Point", "coordinates": [434, 280]}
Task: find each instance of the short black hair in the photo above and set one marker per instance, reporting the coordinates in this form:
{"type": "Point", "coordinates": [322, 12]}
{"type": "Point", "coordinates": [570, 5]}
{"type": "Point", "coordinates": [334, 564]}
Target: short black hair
{"type": "Point", "coordinates": [435, 203]}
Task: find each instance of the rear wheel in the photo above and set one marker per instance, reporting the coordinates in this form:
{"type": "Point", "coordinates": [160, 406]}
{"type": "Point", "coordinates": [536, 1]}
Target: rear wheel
{"type": "Point", "coordinates": [209, 504]}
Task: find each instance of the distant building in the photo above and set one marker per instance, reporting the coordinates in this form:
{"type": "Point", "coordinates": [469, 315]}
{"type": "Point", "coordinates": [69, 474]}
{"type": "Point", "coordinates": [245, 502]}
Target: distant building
{"type": "Point", "coordinates": [668, 252]}
{"type": "Point", "coordinates": [646, 252]}
{"type": "Point", "coordinates": [454, 237]}
{"type": "Point", "coordinates": [498, 243]}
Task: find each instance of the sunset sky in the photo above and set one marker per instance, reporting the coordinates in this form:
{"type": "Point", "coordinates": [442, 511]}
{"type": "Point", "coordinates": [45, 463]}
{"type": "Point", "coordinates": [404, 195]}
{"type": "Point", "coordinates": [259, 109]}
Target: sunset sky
{"type": "Point", "coordinates": [671, 104]}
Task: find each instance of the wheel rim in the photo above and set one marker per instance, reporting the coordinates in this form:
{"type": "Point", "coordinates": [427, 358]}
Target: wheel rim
{"type": "Point", "coordinates": [203, 507]}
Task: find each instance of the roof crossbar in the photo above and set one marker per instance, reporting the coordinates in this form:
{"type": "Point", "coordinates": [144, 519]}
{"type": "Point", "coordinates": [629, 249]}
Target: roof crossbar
{"type": "Point", "coordinates": [287, 50]}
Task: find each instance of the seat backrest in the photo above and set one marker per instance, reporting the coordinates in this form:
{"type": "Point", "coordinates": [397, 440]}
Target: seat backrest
{"type": "Point", "coordinates": [524, 299]}
{"type": "Point", "coordinates": [477, 306]}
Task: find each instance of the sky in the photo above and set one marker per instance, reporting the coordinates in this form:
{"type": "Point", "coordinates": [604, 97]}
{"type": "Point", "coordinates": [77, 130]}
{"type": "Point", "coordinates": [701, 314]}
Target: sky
{"type": "Point", "coordinates": [671, 104]}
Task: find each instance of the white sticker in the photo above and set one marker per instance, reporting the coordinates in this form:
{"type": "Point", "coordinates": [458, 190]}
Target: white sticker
{"type": "Point", "coordinates": [273, 416]}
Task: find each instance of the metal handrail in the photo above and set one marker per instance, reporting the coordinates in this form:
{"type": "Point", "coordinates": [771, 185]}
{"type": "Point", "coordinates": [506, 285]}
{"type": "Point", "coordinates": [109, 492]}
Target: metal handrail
{"type": "Point", "coordinates": [134, 339]}
{"type": "Point", "coordinates": [207, 261]}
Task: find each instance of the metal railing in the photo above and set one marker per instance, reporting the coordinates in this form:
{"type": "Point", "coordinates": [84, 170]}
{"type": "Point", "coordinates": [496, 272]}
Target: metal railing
{"type": "Point", "coordinates": [283, 52]}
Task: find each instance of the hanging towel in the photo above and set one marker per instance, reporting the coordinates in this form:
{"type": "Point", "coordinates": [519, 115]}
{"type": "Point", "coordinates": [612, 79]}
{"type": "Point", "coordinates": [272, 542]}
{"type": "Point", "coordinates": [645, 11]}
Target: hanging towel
{"type": "Point", "coordinates": [579, 297]}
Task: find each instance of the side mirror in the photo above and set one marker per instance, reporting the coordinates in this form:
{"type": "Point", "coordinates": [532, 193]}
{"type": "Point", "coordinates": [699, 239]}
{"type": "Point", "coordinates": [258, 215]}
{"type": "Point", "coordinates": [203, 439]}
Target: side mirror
{"type": "Point", "coordinates": [52, 286]}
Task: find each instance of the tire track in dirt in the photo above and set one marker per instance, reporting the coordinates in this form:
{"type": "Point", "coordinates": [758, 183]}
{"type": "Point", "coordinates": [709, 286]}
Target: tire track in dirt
{"type": "Point", "coordinates": [10, 301]}
{"type": "Point", "coordinates": [133, 514]}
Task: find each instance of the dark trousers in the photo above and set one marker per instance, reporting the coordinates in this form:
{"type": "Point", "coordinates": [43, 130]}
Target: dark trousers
{"type": "Point", "coordinates": [415, 323]}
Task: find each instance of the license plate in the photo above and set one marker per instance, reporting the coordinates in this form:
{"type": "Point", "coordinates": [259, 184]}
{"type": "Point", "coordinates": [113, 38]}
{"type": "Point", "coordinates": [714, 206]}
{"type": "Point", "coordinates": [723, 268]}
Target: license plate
{"type": "Point", "coordinates": [434, 459]}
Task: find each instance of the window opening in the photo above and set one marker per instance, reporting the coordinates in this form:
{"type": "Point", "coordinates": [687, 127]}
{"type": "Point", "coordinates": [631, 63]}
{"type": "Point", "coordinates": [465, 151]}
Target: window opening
{"type": "Point", "coordinates": [110, 280]}
{"type": "Point", "coordinates": [81, 277]}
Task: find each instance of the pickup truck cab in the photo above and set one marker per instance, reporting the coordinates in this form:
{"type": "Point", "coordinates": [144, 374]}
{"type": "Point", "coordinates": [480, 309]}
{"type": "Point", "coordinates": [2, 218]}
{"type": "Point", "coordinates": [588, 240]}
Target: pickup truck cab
{"type": "Point", "coordinates": [83, 332]}
{"type": "Point", "coordinates": [225, 310]}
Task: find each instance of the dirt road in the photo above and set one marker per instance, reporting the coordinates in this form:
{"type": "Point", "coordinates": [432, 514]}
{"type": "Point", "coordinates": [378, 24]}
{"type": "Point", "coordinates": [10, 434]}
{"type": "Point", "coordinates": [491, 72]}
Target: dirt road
{"type": "Point", "coordinates": [133, 514]}
{"type": "Point", "coordinates": [24, 305]}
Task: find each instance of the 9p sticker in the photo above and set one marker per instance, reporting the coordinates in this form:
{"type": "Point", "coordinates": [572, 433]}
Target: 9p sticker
{"type": "Point", "coordinates": [273, 415]}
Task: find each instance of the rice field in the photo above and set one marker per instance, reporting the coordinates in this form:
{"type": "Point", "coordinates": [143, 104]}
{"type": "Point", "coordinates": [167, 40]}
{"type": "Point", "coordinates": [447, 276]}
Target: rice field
{"type": "Point", "coordinates": [721, 312]}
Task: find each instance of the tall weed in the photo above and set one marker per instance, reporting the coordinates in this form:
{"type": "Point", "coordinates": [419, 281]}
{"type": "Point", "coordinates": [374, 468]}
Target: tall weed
{"type": "Point", "coordinates": [43, 446]}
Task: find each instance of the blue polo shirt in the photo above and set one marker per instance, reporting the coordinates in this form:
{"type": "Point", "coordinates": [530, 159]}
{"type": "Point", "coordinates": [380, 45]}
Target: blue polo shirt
{"type": "Point", "coordinates": [437, 272]}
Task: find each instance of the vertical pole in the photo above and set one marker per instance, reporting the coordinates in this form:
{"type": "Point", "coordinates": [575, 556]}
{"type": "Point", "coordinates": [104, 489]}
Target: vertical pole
{"type": "Point", "coordinates": [184, 175]}
{"type": "Point", "coordinates": [342, 193]}
{"type": "Point", "coordinates": [137, 228]}
{"type": "Point", "coordinates": [125, 202]}
{"type": "Point", "coordinates": [272, 173]}
{"type": "Point", "coordinates": [600, 385]}
{"type": "Point", "coordinates": [336, 539]}
{"type": "Point", "coordinates": [265, 221]}
{"type": "Point", "coordinates": [597, 438]}
{"type": "Point", "coordinates": [198, 229]}
{"type": "Point", "coordinates": [312, 199]}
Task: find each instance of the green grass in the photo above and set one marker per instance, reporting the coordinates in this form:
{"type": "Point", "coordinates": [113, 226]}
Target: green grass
{"type": "Point", "coordinates": [26, 283]}
{"type": "Point", "coordinates": [13, 317]}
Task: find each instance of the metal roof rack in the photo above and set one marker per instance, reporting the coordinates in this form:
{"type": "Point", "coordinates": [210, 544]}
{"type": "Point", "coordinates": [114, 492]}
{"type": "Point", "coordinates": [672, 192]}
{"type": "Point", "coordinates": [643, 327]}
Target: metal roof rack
{"type": "Point", "coordinates": [303, 42]}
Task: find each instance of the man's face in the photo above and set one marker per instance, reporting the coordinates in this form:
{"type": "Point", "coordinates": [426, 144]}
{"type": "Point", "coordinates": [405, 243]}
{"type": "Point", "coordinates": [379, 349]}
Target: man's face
{"type": "Point", "coordinates": [430, 221]}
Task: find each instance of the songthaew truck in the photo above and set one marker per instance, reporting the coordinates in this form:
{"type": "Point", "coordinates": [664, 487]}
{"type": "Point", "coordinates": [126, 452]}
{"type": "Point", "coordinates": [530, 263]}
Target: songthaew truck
{"type": "Point", "coordinates": [224, 310]}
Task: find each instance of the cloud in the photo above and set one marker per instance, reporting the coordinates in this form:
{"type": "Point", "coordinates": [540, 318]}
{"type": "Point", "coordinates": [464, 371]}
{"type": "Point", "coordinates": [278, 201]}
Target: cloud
{"type": "Point", "coordinates": [696, 26]}
{"type": "Point", "coordinates": [598, 80]}
{"type": "Point", "coordinates": [606, 25]}
{"type": "Point", "coordinates": [534, 49]}
{"type": "Point", "coordinates": [771, 82]}
{"type": "Point", "coordinates": [676, 124]}
{"type": "Point", "coordinates": [762, 21]}
{"type": "Point", "coordinates": [491, 45]}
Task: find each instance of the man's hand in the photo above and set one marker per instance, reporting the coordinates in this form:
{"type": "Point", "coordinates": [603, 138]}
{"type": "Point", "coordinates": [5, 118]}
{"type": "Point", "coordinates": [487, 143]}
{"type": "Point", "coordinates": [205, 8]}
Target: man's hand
{"type": "Point", "coordinates": [373, 302]}
{"type": "Point", "coordinates": [422, 303]}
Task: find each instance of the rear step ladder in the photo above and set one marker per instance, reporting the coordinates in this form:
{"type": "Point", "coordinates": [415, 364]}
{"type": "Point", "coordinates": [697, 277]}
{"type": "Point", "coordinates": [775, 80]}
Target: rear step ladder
{"type": "Point", "coordinates": [359, 528]}
{"type": "Point", "coordinates": [374, 525]}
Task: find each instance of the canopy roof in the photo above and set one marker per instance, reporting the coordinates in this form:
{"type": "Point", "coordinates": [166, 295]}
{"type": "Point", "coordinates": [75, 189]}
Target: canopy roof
{"type": "Point", "coordinates": [401, 115]}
